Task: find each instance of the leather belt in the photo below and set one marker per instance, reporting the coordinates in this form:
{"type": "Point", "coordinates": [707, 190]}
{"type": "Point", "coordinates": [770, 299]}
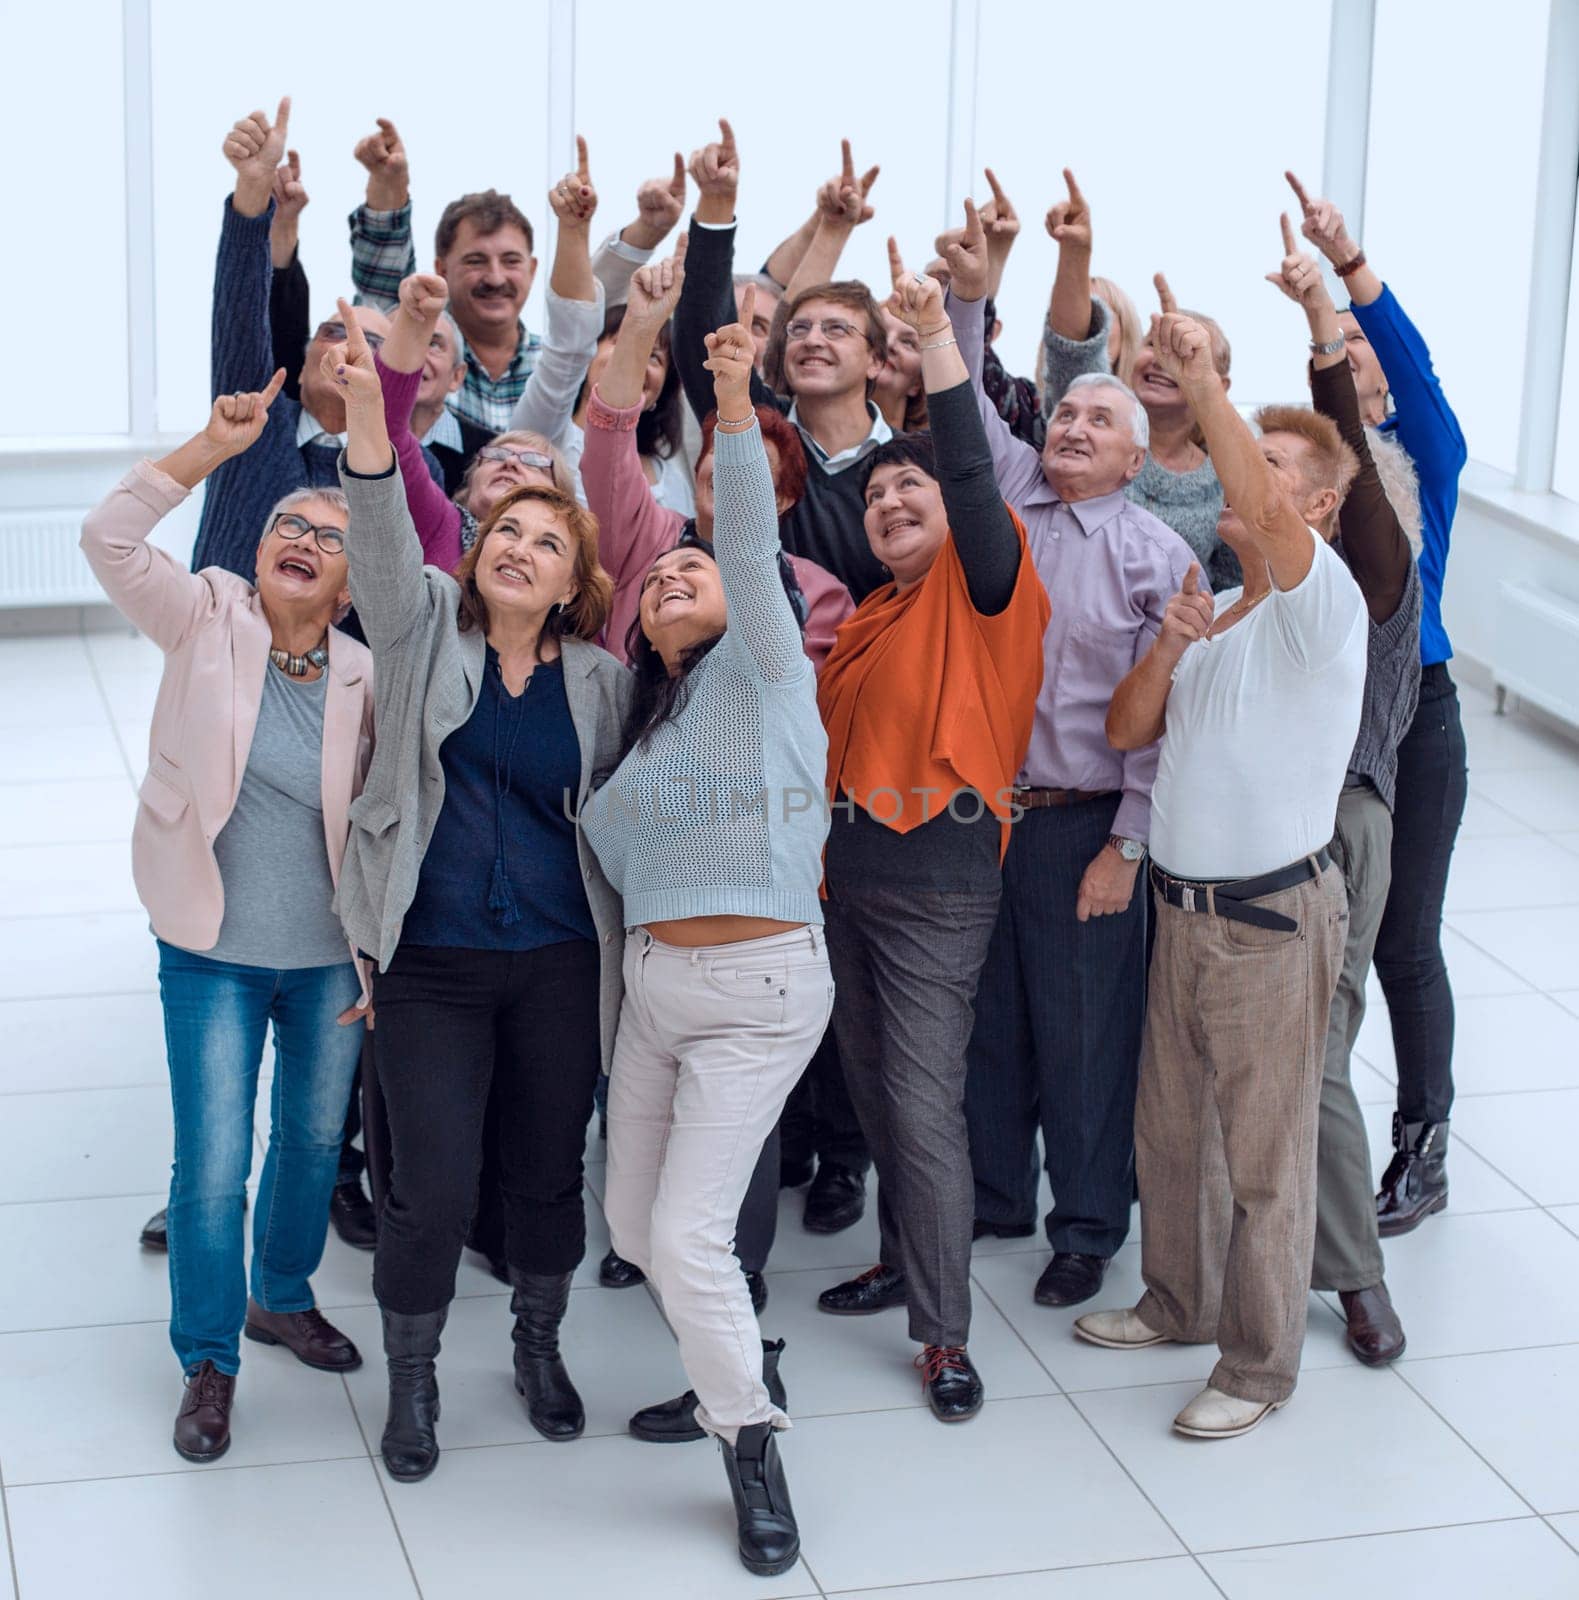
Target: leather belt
{"type": "Point", "coordinates": [1226, 898]}
{"type": "Point", "coordinates": [1039, 799]}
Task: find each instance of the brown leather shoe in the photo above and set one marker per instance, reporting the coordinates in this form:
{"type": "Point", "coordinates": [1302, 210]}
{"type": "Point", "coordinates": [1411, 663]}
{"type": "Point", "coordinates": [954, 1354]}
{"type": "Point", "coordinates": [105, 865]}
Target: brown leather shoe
{"type": "Point", "coordinates": [313, 1341]}
{"type": "Point", "coordinates": [202, 1425]}
{"type": "Point", "coordinates": [1376, 1335]}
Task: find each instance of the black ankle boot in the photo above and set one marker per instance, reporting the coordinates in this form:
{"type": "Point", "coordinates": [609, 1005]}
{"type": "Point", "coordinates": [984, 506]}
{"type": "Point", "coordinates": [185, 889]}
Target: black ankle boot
{"type": "Point", "coordinates": [674, 1421]}
{"type": "Point", "coordinates": [769, 1538]}
{"type": "Point", "coordinates": [1415, 1182]}
{"type": "Point", "coordinates": [411, 1346]}
{"type": "Point", "coordinates": [552, 1403]}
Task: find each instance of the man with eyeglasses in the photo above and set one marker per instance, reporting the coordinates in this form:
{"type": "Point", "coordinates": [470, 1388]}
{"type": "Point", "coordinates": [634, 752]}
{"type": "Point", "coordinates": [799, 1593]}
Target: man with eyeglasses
{"type": "Point", "coordinates": [835, 348]}
{"type": "Point", "coordinates": [301, 441]}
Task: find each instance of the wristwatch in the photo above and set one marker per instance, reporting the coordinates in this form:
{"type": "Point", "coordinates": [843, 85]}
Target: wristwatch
{"type": "Point", "coordinates": [1330, 348]}
{"type": "Point", "coordinates": [1130, 849]}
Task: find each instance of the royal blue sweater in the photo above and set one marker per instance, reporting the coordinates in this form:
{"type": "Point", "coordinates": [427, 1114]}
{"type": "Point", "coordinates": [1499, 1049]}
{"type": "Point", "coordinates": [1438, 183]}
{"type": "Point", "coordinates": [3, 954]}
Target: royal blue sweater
{"type": "Point", "coordinates": [1429, 432]}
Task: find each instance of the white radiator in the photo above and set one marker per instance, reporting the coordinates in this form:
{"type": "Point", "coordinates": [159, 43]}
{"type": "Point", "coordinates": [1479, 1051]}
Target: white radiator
{"type": "Point", "coordinates": [40, 564]}
{"type": "Point", "coordinates": [1537, 649]}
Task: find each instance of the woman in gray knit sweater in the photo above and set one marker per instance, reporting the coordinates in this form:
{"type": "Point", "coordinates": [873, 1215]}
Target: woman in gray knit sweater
{"type": "Point", "coordinates": [712, 829]}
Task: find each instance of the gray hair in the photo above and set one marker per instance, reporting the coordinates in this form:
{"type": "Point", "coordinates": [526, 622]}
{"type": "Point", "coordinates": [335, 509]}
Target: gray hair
{"type": "Point", "coordinates": [1139, 427]}
{"type": "Point", "coordinates": [1399, 483]}
{"type": "Point", "coordinates": [762, 281]}
{"type": "Point", "coordinates": [457, 341]}
{"type": "Point", "coordinates": [328, 496]}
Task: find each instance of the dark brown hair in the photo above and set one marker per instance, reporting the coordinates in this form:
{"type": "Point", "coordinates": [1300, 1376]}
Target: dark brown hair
{"type": "Point", "coordinates": [488, 212]}
{"type": "Point", "coordinates": [582, 617]}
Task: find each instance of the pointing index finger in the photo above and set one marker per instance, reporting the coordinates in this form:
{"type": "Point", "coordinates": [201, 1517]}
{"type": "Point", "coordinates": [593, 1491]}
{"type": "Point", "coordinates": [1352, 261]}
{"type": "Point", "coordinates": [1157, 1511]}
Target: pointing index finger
{"type": "Point", "coordinates": [582, 170]}
{"type": "Point", "coordinates": [896, 264]}
{"type": "Point", "coordinates": [1075, 196]}
{"type": "Point", "coordinates": [973, 230]}
{"type": "Point", "coordinates": [1289, 247]}
{"type": "Point", "coordinates": [355, 339]}
{"type": "Point", "coordinates": [1299, 190]}
{"type": "Point", "coordinates": [282, 117]}
{"type": "Point", "coordinates": [1165, 294]}
{"type": "Point", "coordinates": [748, 308]}
{"type": "Point", "coordinates": [1001, 199]}
{"type": "Point", "coordinates": [848, 169]}
{"type": "Point", "coordinates": [727, 137]}
{"type": "Point", "coordinates": [1192, 579]}
{"type": "Point", "coordinates": [677, 182]}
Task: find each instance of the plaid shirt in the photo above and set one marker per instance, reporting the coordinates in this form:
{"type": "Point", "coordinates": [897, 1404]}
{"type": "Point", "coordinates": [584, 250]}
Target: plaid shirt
{"type": "Point", "coordinates": [381, 256]}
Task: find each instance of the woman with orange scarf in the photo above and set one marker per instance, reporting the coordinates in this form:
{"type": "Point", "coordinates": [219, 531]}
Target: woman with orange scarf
{"type": "Point", "coordinates": [927, 697]}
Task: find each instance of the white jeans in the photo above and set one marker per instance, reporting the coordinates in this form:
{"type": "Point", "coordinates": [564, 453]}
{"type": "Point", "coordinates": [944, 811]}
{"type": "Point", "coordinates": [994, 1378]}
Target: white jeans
{"type": "Point", "coordinates": [710, 1043]}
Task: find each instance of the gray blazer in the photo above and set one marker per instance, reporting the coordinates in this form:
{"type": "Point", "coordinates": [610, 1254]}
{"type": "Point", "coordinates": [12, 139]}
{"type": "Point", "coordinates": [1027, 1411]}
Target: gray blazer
{"type": "Point", "coordinates": [428, 676]}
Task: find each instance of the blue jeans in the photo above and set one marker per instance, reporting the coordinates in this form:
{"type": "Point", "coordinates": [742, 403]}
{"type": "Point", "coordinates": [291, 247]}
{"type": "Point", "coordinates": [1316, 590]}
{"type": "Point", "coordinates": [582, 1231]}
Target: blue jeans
{"type": "Point", "coordinates": [215, 1016]}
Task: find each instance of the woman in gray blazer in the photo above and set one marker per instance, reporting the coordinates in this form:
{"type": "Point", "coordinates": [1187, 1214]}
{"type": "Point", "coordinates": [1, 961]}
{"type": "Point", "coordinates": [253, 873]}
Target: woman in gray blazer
{"type": "Point", "coordinates": [467, 881]}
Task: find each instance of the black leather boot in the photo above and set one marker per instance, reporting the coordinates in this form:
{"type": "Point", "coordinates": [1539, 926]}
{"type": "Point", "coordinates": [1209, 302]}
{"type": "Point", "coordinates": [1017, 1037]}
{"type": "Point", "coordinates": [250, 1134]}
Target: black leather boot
{"type": "Point", "coordinates": [674, 1421]}
{"type": "Point", "coordinates": [1415, 1182]}
{"type": "Point", "coordinates": [539, 1304]}
{"type": "Point", "coordinates": [411, 1346]}
{"type": "Point", "coordinates": [769, 1538]}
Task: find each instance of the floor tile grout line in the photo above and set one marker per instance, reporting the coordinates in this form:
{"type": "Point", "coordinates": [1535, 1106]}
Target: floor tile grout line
{"type": "Point", "coordinates": [1118, 1461]}
{"type": "Point", "coordinates": [115, 727]}
{"type": "Point", "coordinates": [1019, 1572]}
{"type": "Point", "coordinates": [207, 1469]}
{"type": "Point", "coordinates": [383, 1488]}
{"type": "Point", "coordinates": [1374, 1533]}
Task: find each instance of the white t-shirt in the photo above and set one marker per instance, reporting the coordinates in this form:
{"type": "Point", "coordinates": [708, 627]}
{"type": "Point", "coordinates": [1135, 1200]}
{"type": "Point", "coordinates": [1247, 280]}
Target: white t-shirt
{"type": "Point", "coordinates": [1261, 722]}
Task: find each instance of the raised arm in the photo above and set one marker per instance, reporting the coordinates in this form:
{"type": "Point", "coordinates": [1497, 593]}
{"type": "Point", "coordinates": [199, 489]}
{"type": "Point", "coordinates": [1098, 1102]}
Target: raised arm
{"type": "Point", "coordinates": [1069, 227]}
{"type": "Point", "coordinates": [633, 529]}
{"type": "Point", "coordinates": [660, 203]}
{"type": "Point", "coordinates": [1272, 521]}
{"type": "Point", "coordinates": [984, 534]}
{"type": "Point", "coordinates": [574, 306]}
{"type": "Point", "coordinates": [745, 518]}
{"type": "Point", "coordinates": [399, 367]}
{"type": "Point", "coordinates": [1137, 714]}
{"type": "Point", "coordinates": [382, 255]}
{"type": "Point", "coordinates": [289, 298]}
{"type": "Point", "coordinates": [1374, 543]}
{"type": "Point", "coordinates": [147, 585]}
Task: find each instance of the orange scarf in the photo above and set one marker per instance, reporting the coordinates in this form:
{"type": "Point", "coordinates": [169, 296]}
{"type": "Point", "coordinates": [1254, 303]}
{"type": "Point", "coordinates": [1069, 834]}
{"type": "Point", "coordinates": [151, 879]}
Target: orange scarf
{"type": "Point", "coordinates": [921, 692]}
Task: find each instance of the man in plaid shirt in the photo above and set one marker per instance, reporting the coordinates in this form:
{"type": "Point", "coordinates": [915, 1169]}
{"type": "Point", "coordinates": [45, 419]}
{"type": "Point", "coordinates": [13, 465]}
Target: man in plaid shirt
{"type": "Point", "coordinates": [483, 250]}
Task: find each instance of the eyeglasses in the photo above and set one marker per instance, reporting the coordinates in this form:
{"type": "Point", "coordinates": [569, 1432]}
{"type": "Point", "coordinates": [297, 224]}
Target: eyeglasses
{"type": "Point", "coordinates": [334, 332]}
{"type": "Point", "coordinates": [330, 540]}
{"type": "Point", "coordinates": [834, 329]}
{"type": "Point", "coordinates": [527, 458]}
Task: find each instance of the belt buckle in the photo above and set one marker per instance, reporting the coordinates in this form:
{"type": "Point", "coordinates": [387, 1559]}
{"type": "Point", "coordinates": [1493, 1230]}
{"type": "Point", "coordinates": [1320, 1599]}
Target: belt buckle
{"type": "Point", "coordinates": [1187, 896]}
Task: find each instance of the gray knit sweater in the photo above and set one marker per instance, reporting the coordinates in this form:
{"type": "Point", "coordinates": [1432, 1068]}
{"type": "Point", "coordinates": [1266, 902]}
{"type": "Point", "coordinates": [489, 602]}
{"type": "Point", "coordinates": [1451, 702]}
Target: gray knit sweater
{"type": "Point", "coordinates": [1189, 502]}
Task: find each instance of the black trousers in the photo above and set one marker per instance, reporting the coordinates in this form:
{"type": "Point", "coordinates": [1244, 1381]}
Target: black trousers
{"type": "Point", "coordinates": [453, 1025]}
{"type": "Point", "coordinates": [1433, 783]}
{"type": "Point", "coordinates": [819, 1119]}
{"type": "Point", "coordinates": [1059, 1013]}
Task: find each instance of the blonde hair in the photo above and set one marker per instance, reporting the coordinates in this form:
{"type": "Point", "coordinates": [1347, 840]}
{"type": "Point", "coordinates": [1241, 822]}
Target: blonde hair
{"type": "Point", "coordinates": [1328, 462]}
{"type": "Point", "coordinates": [1127, 320]}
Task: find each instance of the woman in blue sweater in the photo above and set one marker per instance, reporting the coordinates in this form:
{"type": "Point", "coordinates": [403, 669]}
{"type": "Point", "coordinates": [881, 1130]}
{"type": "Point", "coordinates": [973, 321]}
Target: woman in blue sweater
{"type": "Point", "coordinates": [712, 829]}
{"type": "Point", "coordinates": [1389, 359]}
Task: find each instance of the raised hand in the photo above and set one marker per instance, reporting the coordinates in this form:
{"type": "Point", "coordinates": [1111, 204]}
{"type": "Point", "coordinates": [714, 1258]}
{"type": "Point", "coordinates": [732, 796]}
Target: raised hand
{"type": "Point", "coordinates": [573, 198]}
{"type": "Point", "coordinates": [423, 297]}
{"type": "Point", "coordinates": [1299, 277]}
{"type": "Point", "coordinates": [999, 220]}
{"type": "Point", "coordinates": [841, 201]}
{"type": "Point", "coordinates": [1188, 615]}
{"type": "Point", "coordinates": [917, 299]}
{"type": "Point", "coordinates": [237, 419]}
{"type": "Point", "coordinates": [715, 168]}
{"type": "Point", "coordinates": [731, 358]}
{"type": "Point", "coordinates": [1069, 220]}
{"type": "Point", "coordinates": [966, 254]}
{"type": "Point", "coordinates": [290, 197]}
{"type": "Point", "coordinates": [349, 367]}
{"type": "Point", "coordinates": [1323, 225]}
{"type": "Point", "coordinates": [660, 202]}
{"type": "Point", "coordinates": [388, 173]}
{"type": "Point", "coordinates": [255, 147]}
{"type": "Point", "coordinates": [655, 288]}
{"type": "Point", "coordinates": [1182, 347]}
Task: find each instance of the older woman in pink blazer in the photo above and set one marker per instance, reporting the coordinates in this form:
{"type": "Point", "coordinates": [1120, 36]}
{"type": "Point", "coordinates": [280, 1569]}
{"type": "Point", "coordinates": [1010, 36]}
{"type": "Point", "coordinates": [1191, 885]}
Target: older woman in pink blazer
{"type": "Point", "coordinates": [261, 737]}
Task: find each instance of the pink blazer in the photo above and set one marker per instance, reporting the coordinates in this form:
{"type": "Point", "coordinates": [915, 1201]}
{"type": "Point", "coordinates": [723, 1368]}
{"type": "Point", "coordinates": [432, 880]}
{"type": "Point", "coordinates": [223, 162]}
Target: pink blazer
{"type": "Point", "coordinates": [215, 638]}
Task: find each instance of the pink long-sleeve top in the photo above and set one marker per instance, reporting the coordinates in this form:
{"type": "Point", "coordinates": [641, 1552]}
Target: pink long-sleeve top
{"type": "Point", "coordinates": [634, 530]}
{"type": "Point", "coordinates": [438, 519]}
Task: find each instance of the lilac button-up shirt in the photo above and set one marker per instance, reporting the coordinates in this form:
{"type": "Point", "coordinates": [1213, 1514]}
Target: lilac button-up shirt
{"type": "Point", "coordinates": [1110, 567]}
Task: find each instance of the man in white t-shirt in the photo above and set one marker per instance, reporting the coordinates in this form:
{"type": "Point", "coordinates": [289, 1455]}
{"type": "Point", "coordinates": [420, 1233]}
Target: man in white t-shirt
{"type": "Point", "coordinates": [1257, 698]}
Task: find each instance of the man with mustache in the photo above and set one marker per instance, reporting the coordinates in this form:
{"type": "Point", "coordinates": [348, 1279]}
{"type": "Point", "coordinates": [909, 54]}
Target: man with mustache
{"type": "Point", "coordinates": [1060, 1001]}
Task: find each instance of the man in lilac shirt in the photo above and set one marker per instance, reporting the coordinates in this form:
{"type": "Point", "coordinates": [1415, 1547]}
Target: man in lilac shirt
{"type": "Point", "coordinates": [1061, 998]}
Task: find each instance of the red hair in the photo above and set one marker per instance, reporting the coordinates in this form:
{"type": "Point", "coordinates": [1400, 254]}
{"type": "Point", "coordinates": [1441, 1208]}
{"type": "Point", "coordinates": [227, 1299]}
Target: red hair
{"type": "Point", "coordinates": [784, 436]}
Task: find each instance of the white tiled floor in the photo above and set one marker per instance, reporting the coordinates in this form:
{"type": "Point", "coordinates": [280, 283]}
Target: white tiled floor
{"type": "Point", "coordinates": [1454, 1473]}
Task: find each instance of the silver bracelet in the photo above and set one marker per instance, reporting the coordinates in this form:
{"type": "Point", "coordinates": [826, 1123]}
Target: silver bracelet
{"type": "Point", "coordinates": [940, 344]}
{"type": "Point", "coordinates": [736, 424]}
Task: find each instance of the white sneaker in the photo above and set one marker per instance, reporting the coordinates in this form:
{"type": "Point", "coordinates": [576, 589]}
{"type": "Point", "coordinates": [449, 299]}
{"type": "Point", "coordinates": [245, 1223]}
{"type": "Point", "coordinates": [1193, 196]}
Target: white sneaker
{"type": "Point", "coordinates": [1118, 1330]}
{"type": "Point", "coordinates": [1215, 1415]}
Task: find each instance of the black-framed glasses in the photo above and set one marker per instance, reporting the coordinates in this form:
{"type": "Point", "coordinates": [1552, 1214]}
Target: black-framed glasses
{"type": "Point", "coordinates": [334, 332]}
{"type": "Point", "coordinates": [834, 329]}
{"type": "Point", "coordinates": [527, 458]}
{"type": "Point", "coordinates": [288, 525]}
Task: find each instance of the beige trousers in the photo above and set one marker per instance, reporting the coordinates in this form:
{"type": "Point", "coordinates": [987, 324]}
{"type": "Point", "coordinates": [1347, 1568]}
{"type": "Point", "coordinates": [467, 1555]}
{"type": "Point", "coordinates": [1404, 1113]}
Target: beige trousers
{"type": "Point", "coordinates": [1225, 1129]}
{"type": "Point", "coordinates": [710, 1043]}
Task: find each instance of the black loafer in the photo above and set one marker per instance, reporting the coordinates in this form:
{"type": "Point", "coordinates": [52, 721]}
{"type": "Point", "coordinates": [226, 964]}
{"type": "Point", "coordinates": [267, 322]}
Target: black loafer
{"type": "Point", "coordinates": [836, 1199]}
{"type": "Point", "coordinates": [351, 1212]}
{"type": "Point", "coordinates": [155, 1235]}
{"type": "Point", "coordinates": [674, 1421]}
{"type": "Point", "coordinates": [1069, 1278]}
{"type": "Point", "coordinates": [615, 1272]}
{"type": "Point", "coordinates": [982, 1229]}
{"type": "Point", "coordinates": [876, 1289]}
{"type": "Point", "coordinates": [952, 1385]}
